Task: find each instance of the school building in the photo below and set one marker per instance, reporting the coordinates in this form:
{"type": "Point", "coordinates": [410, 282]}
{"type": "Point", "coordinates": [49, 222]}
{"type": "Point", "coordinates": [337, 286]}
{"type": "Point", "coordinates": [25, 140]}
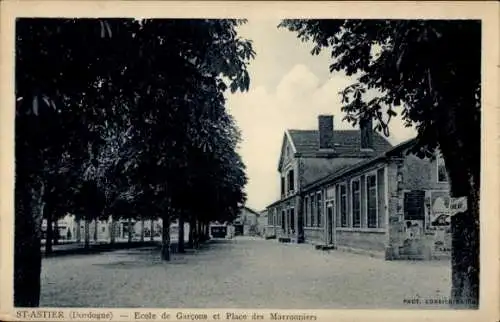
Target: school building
{"type": "Point", "coordinates": [352, 189]}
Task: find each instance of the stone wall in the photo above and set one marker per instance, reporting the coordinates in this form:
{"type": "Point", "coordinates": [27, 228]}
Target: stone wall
{"type": "Point", "coordinates": [423, 238]}
{"type": "Point", "coordinates": [314, 235]}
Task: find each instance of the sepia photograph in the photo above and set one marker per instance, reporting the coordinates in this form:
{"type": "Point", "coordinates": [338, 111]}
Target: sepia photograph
{"type": "Point", "coordinates": [273, 162]}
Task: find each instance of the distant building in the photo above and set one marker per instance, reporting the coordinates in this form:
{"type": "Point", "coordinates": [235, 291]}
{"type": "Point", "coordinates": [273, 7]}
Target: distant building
{"type": "Point", "coordinates": [353, 189]}
{"type": "Point", "coordinates": [262, 221]}
{"type": "Point", "coordinates": [246, 223]}
{"type": "Point", "coordinates": [68, 228]}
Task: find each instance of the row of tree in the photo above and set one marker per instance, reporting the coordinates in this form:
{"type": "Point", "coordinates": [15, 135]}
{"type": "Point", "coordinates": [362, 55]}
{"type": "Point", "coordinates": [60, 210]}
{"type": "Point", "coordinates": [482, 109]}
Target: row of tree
{"type": "Point", "coordinates": [124, 117]}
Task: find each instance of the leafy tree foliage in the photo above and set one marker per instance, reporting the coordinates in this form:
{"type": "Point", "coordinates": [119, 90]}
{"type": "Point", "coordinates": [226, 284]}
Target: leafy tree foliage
{"type": "Point", "coordinates": [430, 71]}
{"type": "Point", "coordinates": [135, 110]}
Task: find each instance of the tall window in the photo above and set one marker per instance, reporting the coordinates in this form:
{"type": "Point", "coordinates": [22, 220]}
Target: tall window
{"type": "Point", "coordinates": [291, 181]}
{"type": "Point", "coordinates": [282, 186]}
{"type": "Point", "coordinates": [283, 219]}
{"type": "Point", "coordinates": [330, 193]}
{"type": "Point", "coordinates": [343, 205]}
{"type": "Point", "coordinates": [306, 210]}
{"type": "Point", "coordinates": [356, 203]}
{"type": "Point", "coordinates": [320, 210]}
{"type": "Point", "coordinates": [442, 176]}
{"type": "Point", "coordinates": [371, 200]}
{"type": "Point", "coordinates": [292, 219]}
{"type": "Point", "coordinates": [313, 211]}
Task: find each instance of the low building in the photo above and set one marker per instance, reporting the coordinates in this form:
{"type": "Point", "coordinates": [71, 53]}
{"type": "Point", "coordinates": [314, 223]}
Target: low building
{"type": "Point", "coordinates": [246, 223]}
{"type": "Point", "coordinates": [393, 203]}
{"type": "Point", "coordinates": [68, 228]}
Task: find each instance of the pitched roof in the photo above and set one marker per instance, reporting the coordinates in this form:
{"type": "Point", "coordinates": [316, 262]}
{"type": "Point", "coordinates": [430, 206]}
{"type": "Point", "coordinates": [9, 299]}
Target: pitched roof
{"type": "Point", "coordinates": [251, 210]}
{"type": "Point", "coordinates": [347, 143]}
{"type": "Point", "coordinates": [359, 165]}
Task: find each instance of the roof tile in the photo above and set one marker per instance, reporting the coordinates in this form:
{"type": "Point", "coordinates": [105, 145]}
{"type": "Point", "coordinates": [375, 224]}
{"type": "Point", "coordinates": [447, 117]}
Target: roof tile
{"type": "Point", "coordinates": [347, 143]}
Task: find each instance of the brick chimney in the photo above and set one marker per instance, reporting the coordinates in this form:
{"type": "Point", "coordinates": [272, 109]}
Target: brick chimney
{"type": "Point", "coordinates": [366, 130]}
{"type": "Point", "coordinates": [325, 127]}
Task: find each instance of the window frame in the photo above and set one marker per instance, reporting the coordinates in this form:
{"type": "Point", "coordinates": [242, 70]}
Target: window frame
{"type": "Point", "coordinates": [343, 184]}
{"type": "Point", "coordinates": [291, 180]}
{"type": "Point", "coordinates": [313, 209]}
{"type": "Point", "coordinates": [358, 180]}
{"type": "Point", "coordinates": [319, 206]}
{"type": "Point", "coordinates": [375, 187]}
{"type": "Point", "coordinates": [306, 210]}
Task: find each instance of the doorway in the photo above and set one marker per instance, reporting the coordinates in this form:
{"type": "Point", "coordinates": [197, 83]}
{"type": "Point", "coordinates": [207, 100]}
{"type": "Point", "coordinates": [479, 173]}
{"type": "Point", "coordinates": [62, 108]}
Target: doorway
{"type": "Point", "coordinates": [330, 222]}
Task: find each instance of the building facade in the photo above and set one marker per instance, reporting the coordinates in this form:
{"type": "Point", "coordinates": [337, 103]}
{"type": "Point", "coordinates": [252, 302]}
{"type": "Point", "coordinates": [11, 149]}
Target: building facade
{"type": "Point", "coordinates": [391, 202]}
{"type": "Point", "coordinates": [101, 230]}
{"type": "Point", "coordinates": [262, 222]}
{"type": "Point", "coordinates": [309, 155]}
{"type": "Point", "coordinates": [247, 222]}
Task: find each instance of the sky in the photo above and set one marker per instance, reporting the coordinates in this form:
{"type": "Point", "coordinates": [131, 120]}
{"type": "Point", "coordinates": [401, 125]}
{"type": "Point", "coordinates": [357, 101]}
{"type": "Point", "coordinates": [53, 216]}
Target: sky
{"type": "Point", "coordinates": [289, 88]}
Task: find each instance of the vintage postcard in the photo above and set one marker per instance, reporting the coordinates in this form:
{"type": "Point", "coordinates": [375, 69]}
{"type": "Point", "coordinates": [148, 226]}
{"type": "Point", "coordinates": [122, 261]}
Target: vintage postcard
{"type": "Point", "coordinates": [249, 161]}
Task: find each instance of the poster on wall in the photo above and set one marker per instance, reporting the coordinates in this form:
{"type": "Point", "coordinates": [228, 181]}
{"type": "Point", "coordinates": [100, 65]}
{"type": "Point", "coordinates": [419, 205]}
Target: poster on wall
{"type": "Point", "coordinates": [440, 220]}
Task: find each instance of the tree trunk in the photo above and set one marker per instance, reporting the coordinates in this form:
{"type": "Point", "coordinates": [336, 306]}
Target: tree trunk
{"type": "Point", "coordinates": [165, 237]}
{"type": "Point", "coordinates": [152, 228]}
{"type": "Point", "coordinates": [79, 231]}
{"type": "Point", "coordinates": [56, 230]}
{"type": "Point", "coordinates": [96, 228]}
{"type": "Point", "coordinates": [465, 255]}
{"type": "Point", "coordinates": [180, 242]}
{"type": "Point", "coordinates": [129, 230]}
{"type": "Point", "coordinates": [27, 245]}
{"type": "Point", "coordinates": [459, 137]}
{"type": "Point", "coordinates": [192, 228]}
{"type": "Point", "coordinates": [112, 231]}
{"type": "Point", "coordinates": [199, 232]}
{"type": "Point", "coordinates": [142, 229]}
{"type": "Point", "coordinates": [87, 232]}
{"type": "Point", "coordinates": [207, 231]}
{"type": "Point", "coordinates": [49, 232]}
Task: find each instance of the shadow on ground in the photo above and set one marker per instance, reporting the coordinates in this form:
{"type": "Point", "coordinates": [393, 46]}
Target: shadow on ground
{"type": "Point", "coordinates": [99, 248]}
{"type": "Point", "coordinates": [148, 256]}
